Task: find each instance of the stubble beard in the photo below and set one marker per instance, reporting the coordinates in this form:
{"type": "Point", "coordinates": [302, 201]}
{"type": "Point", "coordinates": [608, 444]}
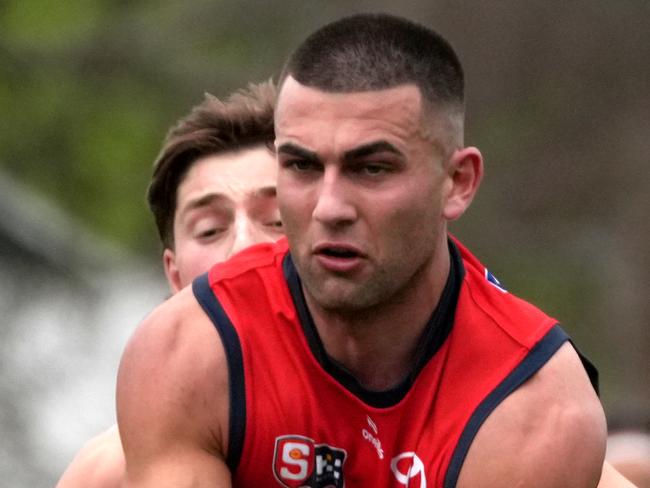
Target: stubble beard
{"type": "Point", "coordinates": [346, 298]}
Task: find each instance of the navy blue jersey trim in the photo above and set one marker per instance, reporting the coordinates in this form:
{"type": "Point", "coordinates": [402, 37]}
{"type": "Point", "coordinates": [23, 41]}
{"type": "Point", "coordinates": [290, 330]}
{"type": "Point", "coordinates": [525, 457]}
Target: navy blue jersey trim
{"type": "Point", "coordinates": [591, 370]}
{"type": "Point", "coordinates": [433, 337]}
{"type": "Point", "coordinates": [237, 424]}
{"type": "Point", "coordinates": [536, 358]}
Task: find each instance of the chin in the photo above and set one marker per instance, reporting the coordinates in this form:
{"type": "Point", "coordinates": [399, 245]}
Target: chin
{"type": "Point", "coordinates": [337, 299]}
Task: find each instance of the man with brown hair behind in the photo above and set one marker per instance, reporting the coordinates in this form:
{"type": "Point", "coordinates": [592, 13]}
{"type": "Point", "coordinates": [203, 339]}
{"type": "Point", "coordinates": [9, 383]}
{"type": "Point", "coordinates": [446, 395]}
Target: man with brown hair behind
{"type": "Point", "coordinates": [212, 194]}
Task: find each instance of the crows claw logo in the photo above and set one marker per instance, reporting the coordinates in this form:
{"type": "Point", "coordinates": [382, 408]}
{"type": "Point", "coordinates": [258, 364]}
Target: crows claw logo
{"type": "Point", "coordinates": [300, 463]}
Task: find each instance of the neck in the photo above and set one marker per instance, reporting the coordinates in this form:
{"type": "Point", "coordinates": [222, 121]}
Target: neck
{"type": "Point", "coordinates": [378, 344]}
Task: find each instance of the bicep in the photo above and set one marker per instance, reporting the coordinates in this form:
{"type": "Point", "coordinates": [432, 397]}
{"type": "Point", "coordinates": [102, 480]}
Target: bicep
{"type": "Point", "coordinates": [548, 433]}
{"type": "Point", "coordinates": [172, 404]}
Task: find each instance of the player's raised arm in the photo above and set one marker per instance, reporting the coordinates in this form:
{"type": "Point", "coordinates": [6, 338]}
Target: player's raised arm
{"type": "Point", "coordinates": [172, 400]}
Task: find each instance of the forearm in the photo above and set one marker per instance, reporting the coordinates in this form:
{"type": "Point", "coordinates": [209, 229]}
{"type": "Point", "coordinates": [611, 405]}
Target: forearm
{"type": "Point", "coordinates": [611, 478]}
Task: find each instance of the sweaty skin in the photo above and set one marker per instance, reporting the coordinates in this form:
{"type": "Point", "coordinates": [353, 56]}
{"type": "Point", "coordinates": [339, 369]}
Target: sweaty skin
{"type": "Point", "coordinates": [225, 203]}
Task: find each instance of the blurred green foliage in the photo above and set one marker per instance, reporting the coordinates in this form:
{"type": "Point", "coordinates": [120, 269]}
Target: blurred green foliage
{"type": "Point", "coordinates": [79, 130]}
{"type": "Point", "coordinates": [88, 89]}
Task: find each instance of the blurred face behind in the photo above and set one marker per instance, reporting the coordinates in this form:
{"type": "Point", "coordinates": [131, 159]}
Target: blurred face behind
{"type": "Point", "coordinates": [362, 193]}
{"type": "Point", "coordinates": [225, 203]}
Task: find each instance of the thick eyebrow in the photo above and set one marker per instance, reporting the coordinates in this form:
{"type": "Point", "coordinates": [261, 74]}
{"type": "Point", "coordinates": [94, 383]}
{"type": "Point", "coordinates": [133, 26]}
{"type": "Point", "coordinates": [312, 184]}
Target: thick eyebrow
{"type": "Point", "coordinates": [265, 191]}
{"type": "Point", "coordinates": [371, 148]}
{"type": "Point", "coordinates": [356, 153]}
{"type": "Point", "coordinates": [294, 150]}
{"type": "Point", "coordinates": [202, 201]}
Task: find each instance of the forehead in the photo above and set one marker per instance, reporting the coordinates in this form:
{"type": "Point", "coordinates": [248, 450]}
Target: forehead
{"type": "Point", "coordinates": [317, 118]}
{"type": "Point", "coordinates": [234, 174]}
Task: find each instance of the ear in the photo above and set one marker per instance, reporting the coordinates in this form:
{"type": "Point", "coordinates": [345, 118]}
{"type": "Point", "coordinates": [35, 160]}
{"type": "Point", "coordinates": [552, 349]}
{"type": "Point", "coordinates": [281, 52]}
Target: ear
{"type": "Point", "coordinates": [465, 170]}
{"type": "Point", "coordinates": [171, 270]}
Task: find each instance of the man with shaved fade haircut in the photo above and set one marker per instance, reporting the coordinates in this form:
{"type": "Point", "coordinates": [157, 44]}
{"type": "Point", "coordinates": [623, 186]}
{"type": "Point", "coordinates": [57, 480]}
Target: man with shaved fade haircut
{"type": "Point", "coordinates": [370, 348]}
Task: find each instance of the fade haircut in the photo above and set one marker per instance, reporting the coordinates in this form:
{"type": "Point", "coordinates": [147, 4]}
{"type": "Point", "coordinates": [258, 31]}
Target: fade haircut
{"type": "Point", "coordinates": [244, 120]}
{"type": "Point", "coordinates": [368, 52]}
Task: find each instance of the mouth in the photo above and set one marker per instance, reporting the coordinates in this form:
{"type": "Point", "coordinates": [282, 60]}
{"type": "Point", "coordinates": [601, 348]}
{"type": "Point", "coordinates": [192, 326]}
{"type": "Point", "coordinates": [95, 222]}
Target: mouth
{"type": "Point", "coordinates": [338, 251]}
{"type": "Point", "coordinates": [338, 258]}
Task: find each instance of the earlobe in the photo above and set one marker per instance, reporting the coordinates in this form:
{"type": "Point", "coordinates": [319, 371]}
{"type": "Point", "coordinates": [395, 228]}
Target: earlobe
{"type": "Point", "coordinates": [465, 174]}
{"type": "Point", "coordinates": [171, 270]}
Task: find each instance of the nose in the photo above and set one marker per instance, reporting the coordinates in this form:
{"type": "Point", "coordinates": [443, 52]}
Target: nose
{"type": "Point", "coordinates": [334, 205]}
{"type": "Point", "coordinates": [246, 233]}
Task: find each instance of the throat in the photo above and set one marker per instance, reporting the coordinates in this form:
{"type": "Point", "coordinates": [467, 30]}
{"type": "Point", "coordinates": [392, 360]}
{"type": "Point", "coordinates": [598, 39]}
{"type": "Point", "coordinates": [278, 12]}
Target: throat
{"type": "Point", "coordinates": [379, 354]}
{"type": "Point", "coordinates": [376, 373]}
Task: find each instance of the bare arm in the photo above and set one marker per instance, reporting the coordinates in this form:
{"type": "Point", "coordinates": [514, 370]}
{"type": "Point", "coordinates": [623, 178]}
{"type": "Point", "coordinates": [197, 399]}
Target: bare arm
{"type": "Point", "coordinates": [549, 433]}
{"type": "Point", "coordinates": [172, 400]}
{"type": "Point", "coordinates": [611, 478]}
{"type": "Point", "coordinates": [99, 464]}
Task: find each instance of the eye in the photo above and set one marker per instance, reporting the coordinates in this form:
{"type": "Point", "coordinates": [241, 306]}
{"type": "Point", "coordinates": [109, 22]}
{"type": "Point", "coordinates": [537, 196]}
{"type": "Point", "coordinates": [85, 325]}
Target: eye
{"type": "Point", "coordinates": [371, 169]}
{"type": "Point", "coordinates": [207, 233]}
{"type": "Point", "coordinates": [301, 165]}
{"type": "Point", "coordinates": [275, 224]}
{"type": "Point", "coordinates": [374, 169]}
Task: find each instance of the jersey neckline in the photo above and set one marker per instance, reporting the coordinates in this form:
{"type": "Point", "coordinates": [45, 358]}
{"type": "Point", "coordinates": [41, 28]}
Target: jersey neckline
{"type": "Point", "coordinates": [433, 337]}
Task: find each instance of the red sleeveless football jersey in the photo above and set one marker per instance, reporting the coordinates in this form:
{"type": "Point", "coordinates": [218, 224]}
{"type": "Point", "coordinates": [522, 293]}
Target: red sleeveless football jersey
{"type": "Point", "coordinates": [299, 419]}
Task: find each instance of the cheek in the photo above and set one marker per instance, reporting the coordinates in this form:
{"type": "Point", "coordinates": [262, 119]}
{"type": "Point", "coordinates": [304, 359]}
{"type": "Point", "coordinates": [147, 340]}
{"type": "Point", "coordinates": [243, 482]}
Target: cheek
{"type": "Point", "coordinates": [293, 212]}
{"type": "Point", "coordinates": [412, 217]}
{"type": "Point", "coordinates": [214, 253]}
{"type": "Point", "coordinates": [266, 234]}
{"type": "Point", "coordinates": [197, 259]}
{"type": "Point", "coordinates": [293, 194]}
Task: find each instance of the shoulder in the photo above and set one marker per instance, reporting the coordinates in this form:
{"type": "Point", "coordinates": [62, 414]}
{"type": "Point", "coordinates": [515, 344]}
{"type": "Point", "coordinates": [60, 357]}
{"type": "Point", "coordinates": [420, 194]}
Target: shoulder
{"type": "Point", "coordinates": [485, 298]}
{"type": "Point", "coordinates": [173, 382]}
{"type": "Point", "coordinates": [100, 463]}
{"type": "Point", "coordinates": [550, 432]}
{"type": "Point", "coordinates": [177, 329]}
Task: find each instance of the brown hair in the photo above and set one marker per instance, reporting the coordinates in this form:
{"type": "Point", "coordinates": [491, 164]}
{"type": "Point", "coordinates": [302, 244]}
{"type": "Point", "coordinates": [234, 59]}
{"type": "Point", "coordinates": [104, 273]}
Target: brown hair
{"type": "Point", "coordinates": [366, 52]}
{"type": "Point", "coordinates": [245, 119]}
{"type": "Point", "coordinates": [376, 51]}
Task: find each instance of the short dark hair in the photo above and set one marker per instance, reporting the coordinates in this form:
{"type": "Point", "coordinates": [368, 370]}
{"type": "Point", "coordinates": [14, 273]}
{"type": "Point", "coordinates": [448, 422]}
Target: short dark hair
{"type": "Point", "coordinates": [376, 51]}
{"type": "Point", "coordinates": [245, 119]}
